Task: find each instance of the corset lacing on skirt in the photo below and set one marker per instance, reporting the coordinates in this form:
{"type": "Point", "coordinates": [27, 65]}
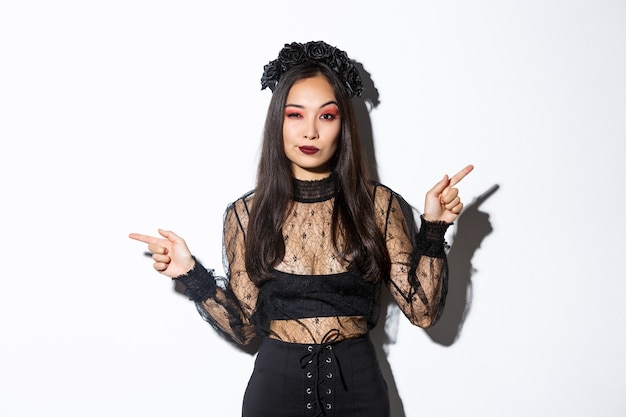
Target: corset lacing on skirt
{"type": "Point", "coordinates": [335, 378]}
{"type": "Point", "coordinates": [318, 365]}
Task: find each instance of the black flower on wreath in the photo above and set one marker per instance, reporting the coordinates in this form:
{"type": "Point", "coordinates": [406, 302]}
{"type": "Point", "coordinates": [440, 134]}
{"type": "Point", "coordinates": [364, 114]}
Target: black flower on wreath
{"type": "Point", "coordinates": [297, 53]}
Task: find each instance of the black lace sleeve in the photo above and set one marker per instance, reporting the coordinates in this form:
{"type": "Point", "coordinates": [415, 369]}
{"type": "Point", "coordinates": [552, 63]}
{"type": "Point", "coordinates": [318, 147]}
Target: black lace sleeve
{"type": "Point", "coordinates": [199, 282]}
{"type": "Point", "coordinates": [418, 277]}
{"type": "Point", "coordinates": [226, 302]}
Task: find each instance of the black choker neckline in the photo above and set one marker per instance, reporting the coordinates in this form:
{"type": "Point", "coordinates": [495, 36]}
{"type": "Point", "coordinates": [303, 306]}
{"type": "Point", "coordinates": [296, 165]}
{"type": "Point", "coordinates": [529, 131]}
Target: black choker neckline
{"type": "Point", "coordinates": [313, 191]}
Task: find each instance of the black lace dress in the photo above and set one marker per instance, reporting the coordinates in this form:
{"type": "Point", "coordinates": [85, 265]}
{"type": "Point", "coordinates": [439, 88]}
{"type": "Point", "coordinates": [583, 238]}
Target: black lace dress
{"type": "Point", "coordinates": [315, 315]}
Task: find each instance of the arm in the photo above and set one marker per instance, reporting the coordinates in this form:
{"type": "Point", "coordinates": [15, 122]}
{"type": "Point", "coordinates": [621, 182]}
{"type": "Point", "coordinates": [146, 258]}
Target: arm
{"type": "Point", "coordinates": [229, 310]}
{"type": "Point", "coordinates": [225, 302]}
{"type": "Point", "coordinates": [418, 273]}
{"type": "Point", "coordinates": [418, 278]}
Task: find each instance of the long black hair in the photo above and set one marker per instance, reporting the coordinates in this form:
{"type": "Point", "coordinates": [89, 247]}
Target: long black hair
{"type": "Point", "coordinates": [353, 214]}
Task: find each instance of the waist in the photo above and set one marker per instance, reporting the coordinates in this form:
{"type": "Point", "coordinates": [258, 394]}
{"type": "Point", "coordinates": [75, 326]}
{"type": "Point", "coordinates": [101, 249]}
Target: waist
{"type": "Point", "coordinates": [318, 330]}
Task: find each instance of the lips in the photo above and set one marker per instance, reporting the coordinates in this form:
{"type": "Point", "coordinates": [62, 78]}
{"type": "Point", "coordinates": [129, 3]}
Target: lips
{"type": "Point", "coordinates": [309, 150]}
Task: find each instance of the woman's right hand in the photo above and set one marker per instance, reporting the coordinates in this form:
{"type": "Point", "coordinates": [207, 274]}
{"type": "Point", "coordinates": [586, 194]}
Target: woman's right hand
{"type": "Point", "coordinates": [170, 253]}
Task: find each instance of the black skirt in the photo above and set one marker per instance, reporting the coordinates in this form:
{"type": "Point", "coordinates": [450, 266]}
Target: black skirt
{"type": "Point", "coordinates": [340, 379]}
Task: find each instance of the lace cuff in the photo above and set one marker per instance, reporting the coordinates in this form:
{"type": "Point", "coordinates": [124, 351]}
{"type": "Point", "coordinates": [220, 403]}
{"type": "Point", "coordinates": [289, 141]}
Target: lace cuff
{"type": "Point", "coordinates": [199, 283]}
{"type": "Point", "coordinates": [431, 238]}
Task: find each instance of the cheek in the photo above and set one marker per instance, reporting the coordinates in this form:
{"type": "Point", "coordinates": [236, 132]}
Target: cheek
{"type": "Point", "coordinates": [288, 135]}
{"type": "Point", "coordinates": [333, 145]}
{"type": "Point", "coordinates": [289, 139]}
{"type": "Point", "coordinates": [334, 132]}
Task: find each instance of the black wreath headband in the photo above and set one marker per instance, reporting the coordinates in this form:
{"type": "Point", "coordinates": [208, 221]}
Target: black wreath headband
{"type": "Point", "coordinates": [295, 53]}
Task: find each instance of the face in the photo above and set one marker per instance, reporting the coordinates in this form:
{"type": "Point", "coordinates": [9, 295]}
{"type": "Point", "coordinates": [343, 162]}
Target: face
{"type": "Point", "coordinates": [311, 127]}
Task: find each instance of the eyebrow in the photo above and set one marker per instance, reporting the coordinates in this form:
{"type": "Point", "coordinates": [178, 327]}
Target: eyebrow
{"type": "Point", "coordinates": [321, 107]}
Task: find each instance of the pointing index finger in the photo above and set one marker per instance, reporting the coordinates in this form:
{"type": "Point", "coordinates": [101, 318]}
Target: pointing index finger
{"type": "Point", "coordinates": [460, 175]}
{"type": "Point", "coordinates": [144, 238]}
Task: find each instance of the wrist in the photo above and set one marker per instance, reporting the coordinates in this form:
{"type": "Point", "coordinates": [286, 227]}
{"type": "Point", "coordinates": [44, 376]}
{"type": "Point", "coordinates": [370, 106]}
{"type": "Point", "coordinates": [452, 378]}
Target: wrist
{"type": "Point", "coordinates": [433, 229]}
{"type": "Point", "coordinates": [199, 282]}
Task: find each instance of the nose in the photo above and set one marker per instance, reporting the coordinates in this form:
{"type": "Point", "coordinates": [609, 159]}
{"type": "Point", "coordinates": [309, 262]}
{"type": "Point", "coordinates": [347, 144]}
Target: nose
{"type": "Point", "coordinates": [311, 131]}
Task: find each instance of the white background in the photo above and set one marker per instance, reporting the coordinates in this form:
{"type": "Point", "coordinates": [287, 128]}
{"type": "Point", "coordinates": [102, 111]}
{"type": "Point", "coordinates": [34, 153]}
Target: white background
{"type": "Point", "coordinates": [125, 116]}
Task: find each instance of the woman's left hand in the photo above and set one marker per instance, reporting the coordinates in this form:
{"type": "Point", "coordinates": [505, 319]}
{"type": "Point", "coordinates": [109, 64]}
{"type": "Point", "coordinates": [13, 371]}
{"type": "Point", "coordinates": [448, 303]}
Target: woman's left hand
{"type": "Point", "coordinates": [442, 201]}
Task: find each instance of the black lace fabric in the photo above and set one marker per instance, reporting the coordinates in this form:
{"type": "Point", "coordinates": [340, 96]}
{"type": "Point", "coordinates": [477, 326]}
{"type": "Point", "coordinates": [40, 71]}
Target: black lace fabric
{"type": "Point", "coordinates": [314, 298]}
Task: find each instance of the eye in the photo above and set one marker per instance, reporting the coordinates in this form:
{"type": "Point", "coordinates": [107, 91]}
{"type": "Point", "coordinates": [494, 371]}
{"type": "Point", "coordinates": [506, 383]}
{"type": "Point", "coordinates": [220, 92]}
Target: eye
{"type": "Point", "coordinates": [292, 115]}
{"type": "Point", "coordinates": [330, 114]}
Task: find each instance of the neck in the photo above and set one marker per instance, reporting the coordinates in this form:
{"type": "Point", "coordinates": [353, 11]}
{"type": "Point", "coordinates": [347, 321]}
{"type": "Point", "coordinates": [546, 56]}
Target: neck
{"type": "Point", "coordinates": [310, 191]}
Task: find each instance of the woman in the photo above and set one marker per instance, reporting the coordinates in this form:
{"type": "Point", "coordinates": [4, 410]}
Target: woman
{"type": "Point", "coordinates": [307, 251]}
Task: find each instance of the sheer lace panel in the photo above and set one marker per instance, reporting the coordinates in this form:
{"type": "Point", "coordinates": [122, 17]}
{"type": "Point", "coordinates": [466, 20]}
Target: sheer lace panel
{"type": "Point", "coordinates": [309, 247]}
{"type": "Point", "coordinates": [416, 281]}
{"type": "Point", "coordinates": [318, 329]}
